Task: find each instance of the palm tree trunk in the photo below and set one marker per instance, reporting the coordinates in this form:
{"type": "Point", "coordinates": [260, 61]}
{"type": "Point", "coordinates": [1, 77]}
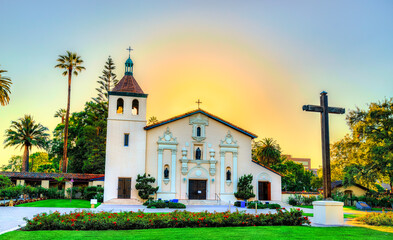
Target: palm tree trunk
{"type": "Point", "coordinates": [65, 160]}
{"type": "Point", "coordinates": [25, 160]}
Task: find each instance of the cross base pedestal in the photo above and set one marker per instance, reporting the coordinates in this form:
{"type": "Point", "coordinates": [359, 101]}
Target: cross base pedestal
{"type": "Point", "coordinates": [328, 212]}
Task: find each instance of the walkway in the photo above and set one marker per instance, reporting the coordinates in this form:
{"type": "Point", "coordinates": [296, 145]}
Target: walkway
{"type": "Point", "coordinates": [11, 218]}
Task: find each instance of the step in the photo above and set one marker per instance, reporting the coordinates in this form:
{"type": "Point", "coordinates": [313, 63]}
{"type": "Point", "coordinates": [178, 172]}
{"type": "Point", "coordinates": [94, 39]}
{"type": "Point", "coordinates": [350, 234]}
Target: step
{"type": "Point", "coordinates": [119, 201]}
{"type": "Point", "coordinates": [201, 202]}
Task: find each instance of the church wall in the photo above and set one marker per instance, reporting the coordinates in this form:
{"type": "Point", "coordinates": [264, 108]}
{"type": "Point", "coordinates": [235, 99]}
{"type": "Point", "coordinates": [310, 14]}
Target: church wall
{"type": "Point", "coordinates": [215, 132]}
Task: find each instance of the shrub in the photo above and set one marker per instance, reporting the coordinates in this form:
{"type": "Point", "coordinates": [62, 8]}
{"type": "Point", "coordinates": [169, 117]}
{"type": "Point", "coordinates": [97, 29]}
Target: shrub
{"type": "Point", "coordinates": [273, 206]}
{"type": "Point", "coordinates": [245, 188]}
{"type": "Point", "coordinates": [292, 201]}
{"type": "Point", "coordinates": [378, 219]}
{"type": "Point", "coordinates": [178, 219]}
{"type": "Point", "coordinates": [143, 186]}
{"type": "Point", "coordinates": [260, 205]}
{"type": "Point", "coordinates": [176, 205]}
{"type": "Point", "coordinates": [4, 182]}
{"type": "Point", "coordinates": [157, 204]}
{"type": "Point", "coordinates": [54, 193]}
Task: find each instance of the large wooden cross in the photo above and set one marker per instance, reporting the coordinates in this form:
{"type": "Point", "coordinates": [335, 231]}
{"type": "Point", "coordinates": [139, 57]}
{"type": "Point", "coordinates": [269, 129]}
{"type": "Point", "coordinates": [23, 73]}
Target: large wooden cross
{"type": "Point", "coordinates": [324, 109]}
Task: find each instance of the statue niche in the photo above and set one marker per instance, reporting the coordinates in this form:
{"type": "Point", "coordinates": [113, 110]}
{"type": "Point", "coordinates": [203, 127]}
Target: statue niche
{"type": "Point", "coordinates": [198, 154]}
{"type": "Point", "coordinates": [166, 173]}
{"type": "Point", "coordinates": [229, 175]}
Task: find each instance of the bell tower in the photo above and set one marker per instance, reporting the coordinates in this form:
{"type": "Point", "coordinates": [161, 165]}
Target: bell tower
{"type": "Point", "coordinates": [126, 138]}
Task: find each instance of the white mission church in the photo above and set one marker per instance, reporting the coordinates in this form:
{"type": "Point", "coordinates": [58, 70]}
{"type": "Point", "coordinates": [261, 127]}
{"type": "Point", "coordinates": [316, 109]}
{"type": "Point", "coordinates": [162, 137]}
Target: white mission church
{"type": "Point", "coordinates": [195, 155]}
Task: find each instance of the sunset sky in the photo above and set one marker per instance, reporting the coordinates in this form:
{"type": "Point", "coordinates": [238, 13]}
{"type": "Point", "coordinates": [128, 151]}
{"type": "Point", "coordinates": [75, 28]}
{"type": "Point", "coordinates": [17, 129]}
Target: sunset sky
{"type": "Point", "coordinates": [252, 63]}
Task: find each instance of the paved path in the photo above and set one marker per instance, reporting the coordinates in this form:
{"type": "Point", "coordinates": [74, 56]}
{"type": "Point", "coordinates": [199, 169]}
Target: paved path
{"type": "Point", "coordinates": [11, 218]}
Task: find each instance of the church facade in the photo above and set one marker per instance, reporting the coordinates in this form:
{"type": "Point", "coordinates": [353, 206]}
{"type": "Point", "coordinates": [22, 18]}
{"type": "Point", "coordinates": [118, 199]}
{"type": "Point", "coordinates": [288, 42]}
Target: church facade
{"type": "Point", "coordinates": [195, 155]}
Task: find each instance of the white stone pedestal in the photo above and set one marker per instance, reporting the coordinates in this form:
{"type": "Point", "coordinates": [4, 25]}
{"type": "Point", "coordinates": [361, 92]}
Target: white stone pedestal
{"type": "Point", "coordinates": [328, 212]}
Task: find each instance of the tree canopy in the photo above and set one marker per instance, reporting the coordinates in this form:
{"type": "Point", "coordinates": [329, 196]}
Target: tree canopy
{"type": "Point", "coordinates": [26, 133]}
{"type": "Point", "coordinates": [366, 154]}
{"type": "Point", "coordinates": [5, 88]}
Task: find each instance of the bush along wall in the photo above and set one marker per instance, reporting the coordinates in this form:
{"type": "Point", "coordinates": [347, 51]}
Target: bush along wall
{"type": "Point", "coordinates": [87, 220]}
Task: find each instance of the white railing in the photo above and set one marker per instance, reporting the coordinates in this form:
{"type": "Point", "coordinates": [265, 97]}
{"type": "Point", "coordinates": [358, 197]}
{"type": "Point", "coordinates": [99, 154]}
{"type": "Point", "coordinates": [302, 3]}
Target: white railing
{"type": "Point", "coordinates": [217, 197]}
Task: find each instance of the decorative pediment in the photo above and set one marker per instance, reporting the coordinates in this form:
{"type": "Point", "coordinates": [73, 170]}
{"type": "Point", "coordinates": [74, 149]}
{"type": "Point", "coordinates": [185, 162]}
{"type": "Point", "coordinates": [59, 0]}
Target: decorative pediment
{"type": "Point", "coordinates": [167, 138]}
{"type": "Point", "coordinates": [199, 123]}
{"type": "Point", "coordinates": [229, 141]}
{"type": "Point", "coordinates": [199, 119]}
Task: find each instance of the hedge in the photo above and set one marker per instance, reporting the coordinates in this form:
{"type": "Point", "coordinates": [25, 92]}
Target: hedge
{"type": "Point", "coordinates": [88, 220]}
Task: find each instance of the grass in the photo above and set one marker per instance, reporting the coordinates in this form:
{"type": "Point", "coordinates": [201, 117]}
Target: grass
{"type": "Point", "coordinates": [279, 232]}
{"type": "Point", "coordinates": [346, 208]}
{"type": "Point", "coordinates": [60, 203]}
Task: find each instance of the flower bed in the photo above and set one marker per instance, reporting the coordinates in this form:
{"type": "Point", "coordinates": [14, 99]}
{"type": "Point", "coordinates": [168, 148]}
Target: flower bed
{"type": "Point", "coordinates": [87, 220]}
{"type": "Point", "coordinates": [22, 201]}
{"type": "Point", "coordinates": [378, 219]}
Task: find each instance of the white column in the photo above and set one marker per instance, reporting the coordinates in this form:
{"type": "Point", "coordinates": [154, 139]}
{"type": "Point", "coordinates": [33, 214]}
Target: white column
{"type": "Point", "coordinates": [159, 170]}
{"type": "Point", "coordinates": [222, 175]}
{"type": "Point", "coordinates": [173, 171]}
{"type": "Point", "coordinates": [234, 172]}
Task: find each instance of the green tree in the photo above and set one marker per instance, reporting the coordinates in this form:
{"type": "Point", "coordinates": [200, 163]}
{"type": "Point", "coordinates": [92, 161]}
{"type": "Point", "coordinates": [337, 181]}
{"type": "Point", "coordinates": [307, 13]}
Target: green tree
{"type": "Point", "coordinates": [152, 120]}
{"type": "Point", "coordinates": [37, 160]}
{"type": "Point", "coordinates": [244, 187]}
{"type": "Point", "coordinates": [295, 176]}
{"type": "Point", "coordinates": [366, 155]}
{"type": "Point", "coordinates": [71, 63]}
{"type": "Point", "coordinates": [106, 83]}
{"type": "Point", "coordinates": [266, 152]}
{"type": "Point", "coordinates": [4, 182]}
{"type": "Point", "coordinates": [14, 164]}
{"type": "Point", "coordinates": [144, 187]}
{"type": "Point", "coordinates": [26, 133]}
{"type": "Point", "coordinates": [61, 113]}
{"type": "Point", "coordinates": [5, 88]}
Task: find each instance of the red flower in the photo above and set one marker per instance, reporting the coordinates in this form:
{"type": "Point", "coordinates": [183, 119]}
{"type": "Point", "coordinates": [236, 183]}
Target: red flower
{"type": "Point", "coordinates": [72, 225]}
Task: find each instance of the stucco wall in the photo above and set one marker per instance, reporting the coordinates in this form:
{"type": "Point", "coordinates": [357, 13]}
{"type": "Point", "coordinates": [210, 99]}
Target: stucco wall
{"type": "Point", "coordinates": [356, 191]}
{"type": "Point", "coordinates": [124, 161]}
{"type": "Point", "coordinates": [215, 132]}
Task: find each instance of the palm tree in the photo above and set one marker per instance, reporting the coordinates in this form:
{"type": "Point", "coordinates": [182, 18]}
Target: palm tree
{"type": "Point", "coordinates": [267, 151]}
{"type": "Point", "coordinates": [152, 120]}
{"type": "Point", "coordinates": [26, 133]}
{"type": "Point", "coordinates": [5, 85]}
{"type": "Point", "coordinates": [71, 64]}
{"type": "Point", "coordinates": [61, 113]}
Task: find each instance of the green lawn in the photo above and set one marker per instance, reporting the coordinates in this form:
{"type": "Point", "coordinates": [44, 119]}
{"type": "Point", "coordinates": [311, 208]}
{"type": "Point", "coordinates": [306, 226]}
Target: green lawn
{"type": "Point", "coordinates": [60, 203]}
{"type": "Point", "coordinates": [345, 208]}
{"type": "Point", "coordinates": [280, 232]}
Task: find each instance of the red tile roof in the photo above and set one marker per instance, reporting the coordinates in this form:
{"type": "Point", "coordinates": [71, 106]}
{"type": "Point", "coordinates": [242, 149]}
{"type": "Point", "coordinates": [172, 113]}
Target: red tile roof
{"type": "Point", "coordinates": [268, 168]}
{"type": "Point", "coordinates": [128, 84]}
{"type": "Point", "coordinates": [178, 117]}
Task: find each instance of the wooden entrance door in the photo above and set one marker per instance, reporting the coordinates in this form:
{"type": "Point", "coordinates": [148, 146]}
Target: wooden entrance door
{"type": "Point", "coordinates": [264, 191]}
{"type": "Point", "coordinates": [124, 188]}
{"type": "Point", "coordinates": [197, 189]}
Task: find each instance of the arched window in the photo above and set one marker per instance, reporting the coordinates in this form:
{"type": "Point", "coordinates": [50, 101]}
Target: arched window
{"type": "Point", "coordinates": [198, 154]}
{"type": "Point", "coordinates": [198, 131]}
{"type": "Point", "coordinates": [120, 106]}
{"type": "Point", "coordinates": [135, 107]}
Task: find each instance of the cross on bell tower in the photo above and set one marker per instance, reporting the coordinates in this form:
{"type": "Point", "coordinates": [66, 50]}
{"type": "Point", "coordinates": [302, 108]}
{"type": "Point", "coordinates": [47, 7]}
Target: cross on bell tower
{"type": "Point", "coordinates": [129, 64]}
{"type": "Point", "coordinates": [129, 51]}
